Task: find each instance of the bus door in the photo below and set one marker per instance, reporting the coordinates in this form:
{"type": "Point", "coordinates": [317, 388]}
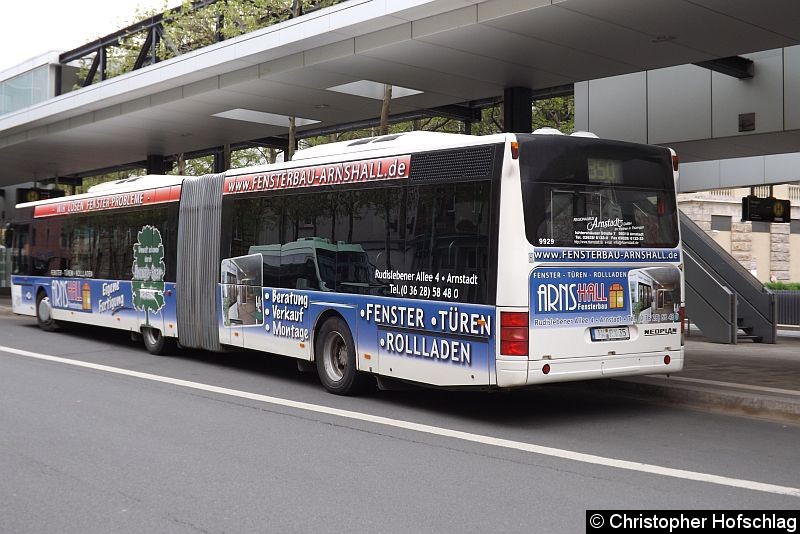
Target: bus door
{"type": "Point", "coordinates": [242, 301]}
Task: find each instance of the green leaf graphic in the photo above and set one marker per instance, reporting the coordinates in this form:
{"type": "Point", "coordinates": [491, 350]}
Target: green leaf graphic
{"type": "Point", "coordinates": [148, 271]}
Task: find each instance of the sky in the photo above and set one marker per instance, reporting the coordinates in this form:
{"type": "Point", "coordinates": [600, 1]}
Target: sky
{"type": "Point", "coordinates": [37, 26]}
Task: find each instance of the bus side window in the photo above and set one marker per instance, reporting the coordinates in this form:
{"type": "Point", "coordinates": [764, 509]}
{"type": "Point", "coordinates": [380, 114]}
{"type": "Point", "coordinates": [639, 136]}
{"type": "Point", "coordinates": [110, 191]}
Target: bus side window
{"type": "Point", "coordinates": [272, 270]}
{"type": "Point", "coordinates": [449, 234]}
{"type": "Point", "coordinates": [298, 271]}
{"type": "Point", "coordinates": [369, 235]}
{"type": "Point", "coordinates": [20, 253]}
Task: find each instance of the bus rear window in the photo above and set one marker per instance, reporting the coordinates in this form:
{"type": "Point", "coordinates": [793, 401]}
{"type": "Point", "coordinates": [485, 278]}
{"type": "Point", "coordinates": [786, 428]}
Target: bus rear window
{"type": "Point", "coordinates": [580, 192]}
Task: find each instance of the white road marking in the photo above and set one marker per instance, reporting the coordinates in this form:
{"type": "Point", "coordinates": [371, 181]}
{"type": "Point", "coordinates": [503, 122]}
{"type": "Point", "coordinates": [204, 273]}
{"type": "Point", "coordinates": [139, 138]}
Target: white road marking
{"type": "Point", "coordinates": [428, 429]}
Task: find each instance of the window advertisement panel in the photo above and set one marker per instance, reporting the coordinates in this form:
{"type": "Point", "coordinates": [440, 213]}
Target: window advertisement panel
{"type": "Point", "coordinates": [610, 304]}
{"type": "Point", "coordinates": [113, 303]}
{"type": "Point", "coordinates": [98, 277]}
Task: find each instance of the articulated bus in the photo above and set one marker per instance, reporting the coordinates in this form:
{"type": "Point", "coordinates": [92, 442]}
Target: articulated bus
{"type": "Point", "coordinates": [441, 259]}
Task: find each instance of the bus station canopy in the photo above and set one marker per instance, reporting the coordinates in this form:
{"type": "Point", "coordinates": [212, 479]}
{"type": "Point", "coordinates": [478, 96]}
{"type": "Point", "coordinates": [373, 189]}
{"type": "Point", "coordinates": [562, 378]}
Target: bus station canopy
{"type": "Point", "coordinates": [328, 67]}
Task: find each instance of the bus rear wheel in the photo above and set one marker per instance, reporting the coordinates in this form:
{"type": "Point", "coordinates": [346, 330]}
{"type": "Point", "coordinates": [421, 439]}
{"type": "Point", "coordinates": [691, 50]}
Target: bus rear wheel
{"type": "Point", "coordinates": [157, 343]}
{"type": "Point", "coordinates": [44, 313]}
{"type": "Point", "coordinates": [335, 355]}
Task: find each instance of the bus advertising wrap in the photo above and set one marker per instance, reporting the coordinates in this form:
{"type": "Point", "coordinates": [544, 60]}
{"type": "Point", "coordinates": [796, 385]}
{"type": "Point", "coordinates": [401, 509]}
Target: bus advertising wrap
{"type": "Point", "coordinates": [544, 254]}
{"type": "Point", "coordinates": [410, 339]}
{"type": "Point", "coordinates": [112, 303]}
{"type": "Point", "coordinates": [604, 296]}
{"type": "Point", "coordinates": [113, 201]}
{"type": "Point", "coordinates": [388, 168]}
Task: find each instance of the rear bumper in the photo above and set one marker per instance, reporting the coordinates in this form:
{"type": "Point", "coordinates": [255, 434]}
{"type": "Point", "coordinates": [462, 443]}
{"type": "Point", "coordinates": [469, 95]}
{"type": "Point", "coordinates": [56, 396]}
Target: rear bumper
{"type": "Point", "coordinates": [515, 373]}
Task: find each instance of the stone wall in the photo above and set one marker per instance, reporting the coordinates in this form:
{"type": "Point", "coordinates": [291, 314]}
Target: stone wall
{"type": "Point", "coordinates": [701, 206]}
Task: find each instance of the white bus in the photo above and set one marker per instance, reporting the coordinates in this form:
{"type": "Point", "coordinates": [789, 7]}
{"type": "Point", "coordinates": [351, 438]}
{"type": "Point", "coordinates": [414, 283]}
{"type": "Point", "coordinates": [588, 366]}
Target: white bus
{"type": "Point", "coordinates": [442, 259]}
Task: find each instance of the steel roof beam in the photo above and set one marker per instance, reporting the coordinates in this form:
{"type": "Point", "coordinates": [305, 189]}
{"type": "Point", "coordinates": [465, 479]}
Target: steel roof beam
{"type": "Point", "coordinates": [735, 66]}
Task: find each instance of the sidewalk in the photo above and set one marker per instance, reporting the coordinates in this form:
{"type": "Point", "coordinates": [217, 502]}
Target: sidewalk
{"type": "Point", "coordinates": [754, 379]}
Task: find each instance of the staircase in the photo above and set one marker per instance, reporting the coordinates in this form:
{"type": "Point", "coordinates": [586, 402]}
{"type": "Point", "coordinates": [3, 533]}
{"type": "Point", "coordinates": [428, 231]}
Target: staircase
{"type": "Point", "coordinates": [722, 298]}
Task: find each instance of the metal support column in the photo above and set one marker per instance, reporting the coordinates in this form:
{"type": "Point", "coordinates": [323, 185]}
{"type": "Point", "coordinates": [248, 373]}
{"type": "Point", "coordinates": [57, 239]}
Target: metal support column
{"type": "Point", "coordinates": [156, 164]}
{"type": "Point", "coordinates": [219, 161]}
{"type": "Point", "coordinates": [517, 111]}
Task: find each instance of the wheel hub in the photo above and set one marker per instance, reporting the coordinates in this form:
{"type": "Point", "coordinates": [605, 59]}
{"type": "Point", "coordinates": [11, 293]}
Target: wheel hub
{"type": "Point", "coordinates": [335, 356]}
{"type": "Point", "coordinates": [44, 310]}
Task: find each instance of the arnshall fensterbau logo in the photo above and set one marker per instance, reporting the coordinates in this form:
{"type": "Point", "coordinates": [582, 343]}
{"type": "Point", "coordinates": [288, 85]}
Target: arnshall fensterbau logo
{"type": "Point", "coordinates": [590, 296]}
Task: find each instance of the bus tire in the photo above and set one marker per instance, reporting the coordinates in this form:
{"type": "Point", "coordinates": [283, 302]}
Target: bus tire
{"type": "Point", "coordinates": [155, 342]}
{"type": "Point", "coordinates": [44, 313]}
{"type": "Point", "coordinates": [335, 355]}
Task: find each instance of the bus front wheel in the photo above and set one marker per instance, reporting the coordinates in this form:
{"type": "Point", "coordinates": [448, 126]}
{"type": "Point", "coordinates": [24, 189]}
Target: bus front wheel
{"type": "Point", "coordinates": [335, 354]}
{"type": "Point", "coordinates": [44, 313]}
{"type": "Point", "coordinates": [155, 342]}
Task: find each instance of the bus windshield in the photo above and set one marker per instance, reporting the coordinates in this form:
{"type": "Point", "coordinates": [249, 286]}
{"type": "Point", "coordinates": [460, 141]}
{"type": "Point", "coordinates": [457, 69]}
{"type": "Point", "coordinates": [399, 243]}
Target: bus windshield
{"type": "Point", "coordinates": [597, 193]}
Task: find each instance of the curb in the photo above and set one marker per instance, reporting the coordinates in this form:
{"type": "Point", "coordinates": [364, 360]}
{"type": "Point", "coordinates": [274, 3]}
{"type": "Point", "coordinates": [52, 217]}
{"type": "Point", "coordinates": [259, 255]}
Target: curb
{"type": "Point", "coordinates": [774, 407]}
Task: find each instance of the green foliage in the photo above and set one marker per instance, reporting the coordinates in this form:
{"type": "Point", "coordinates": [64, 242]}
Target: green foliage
{"type": "Point", "coordinates": [783, 286]}
{"type": "Point", "coordinates": [148, 271]}
{"type": "Point", "coordinates": [557, 112]}
{"type": "Point", "coordinates": [186, 28]}
{"type": "Point", "coordinates": [247, 157]}
{"type": "Point", "coordinates": [430, 124]}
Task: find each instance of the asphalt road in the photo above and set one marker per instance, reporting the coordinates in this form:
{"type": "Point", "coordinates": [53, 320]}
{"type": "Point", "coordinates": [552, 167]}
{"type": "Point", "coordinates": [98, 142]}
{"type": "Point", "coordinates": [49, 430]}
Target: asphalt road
{"type": "Point", "coordinates": [91, 450]}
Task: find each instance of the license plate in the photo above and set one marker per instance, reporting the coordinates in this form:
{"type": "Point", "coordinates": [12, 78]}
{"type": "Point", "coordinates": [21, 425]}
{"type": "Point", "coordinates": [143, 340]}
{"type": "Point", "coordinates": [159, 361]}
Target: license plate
{"type": "Point", "coordinates": [610, 334]}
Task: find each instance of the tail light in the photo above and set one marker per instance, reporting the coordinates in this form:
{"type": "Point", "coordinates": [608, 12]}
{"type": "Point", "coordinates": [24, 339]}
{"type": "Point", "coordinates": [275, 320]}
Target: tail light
{"type": "Point", "coordinates": [514, 333]}
{"type": "Point", "coordinates": [675, 162]}
{"type": "Point", "coordinates": [514, 150]}
{"type": "Point", "coordinates": [683, 323]}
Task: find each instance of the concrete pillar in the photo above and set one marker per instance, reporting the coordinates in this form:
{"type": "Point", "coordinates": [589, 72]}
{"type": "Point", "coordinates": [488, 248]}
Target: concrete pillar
{"type": "Point", "coordinates": [155, 164]}
{"type": "Point", "coordinates": [779, 260]}
{"type": "Point", "coordinates": [219, 161]}
{"type": "Point", "coordinates": [517, 111]}
{"type": "Point", "coordinates": [742, 243]}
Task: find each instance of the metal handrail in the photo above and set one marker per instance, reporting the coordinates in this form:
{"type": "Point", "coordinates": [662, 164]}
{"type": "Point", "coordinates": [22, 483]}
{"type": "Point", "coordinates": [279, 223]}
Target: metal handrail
{"type": "Point", "coordinates": [701, 238]}
{"type": "Point", "coordinates": [756, 305]}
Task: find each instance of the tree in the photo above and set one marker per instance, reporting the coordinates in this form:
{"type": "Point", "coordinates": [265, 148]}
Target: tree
{"type": "Point", "coordinates": [385, 106]}
{"type": "Point", "coordinates": [557, 112]}
{"type": "Point", "coordinates": [188, 28]}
